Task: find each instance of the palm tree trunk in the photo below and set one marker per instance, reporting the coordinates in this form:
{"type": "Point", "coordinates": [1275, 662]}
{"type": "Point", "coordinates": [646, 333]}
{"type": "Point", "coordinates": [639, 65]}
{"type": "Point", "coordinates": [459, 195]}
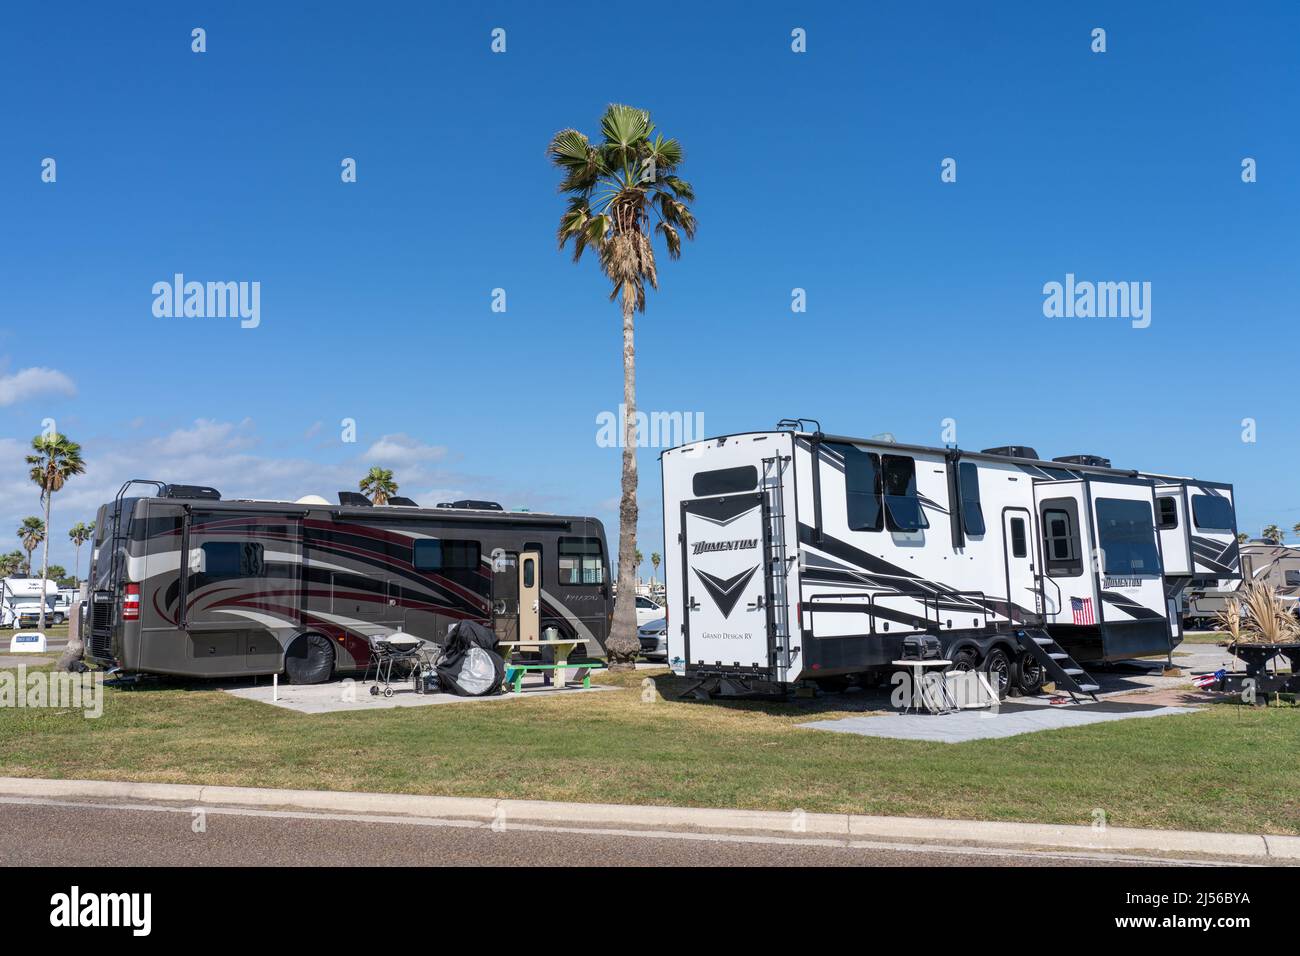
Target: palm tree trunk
{"type": "Point", "coordinates": [45, 558]}
{"type": "Point", "coordinates": [76, 571]}
{"type": "Point", "coordinates": [623, 645]}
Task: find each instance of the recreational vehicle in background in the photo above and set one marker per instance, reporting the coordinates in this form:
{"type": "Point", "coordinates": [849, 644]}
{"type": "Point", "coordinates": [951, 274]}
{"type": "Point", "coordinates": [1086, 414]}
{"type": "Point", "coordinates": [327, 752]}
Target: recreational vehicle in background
{"type": "Point", "coordinates": [185, 583]}
{"type": "Point", "coordinates": [1262, 562]}
{"type": "Point", "coordinates": [20, 602]}
{"type": "Point", "coordinates": [793, 555]}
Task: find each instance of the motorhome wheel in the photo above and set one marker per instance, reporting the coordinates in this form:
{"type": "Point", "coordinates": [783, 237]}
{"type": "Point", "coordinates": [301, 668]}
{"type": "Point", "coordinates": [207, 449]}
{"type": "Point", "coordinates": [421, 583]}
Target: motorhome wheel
{"type": "Point", "coordinates": [309, 659]}
{"type": "Point", "coordinates": [998, 668]}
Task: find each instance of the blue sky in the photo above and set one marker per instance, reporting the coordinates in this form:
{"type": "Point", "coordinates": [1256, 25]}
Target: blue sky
{"type": "Point", "coordinates": [818, 171]}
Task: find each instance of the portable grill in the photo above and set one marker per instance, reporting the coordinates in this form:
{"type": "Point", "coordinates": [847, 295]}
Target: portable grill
{"type": "Point", "coordinates": [398, 655]}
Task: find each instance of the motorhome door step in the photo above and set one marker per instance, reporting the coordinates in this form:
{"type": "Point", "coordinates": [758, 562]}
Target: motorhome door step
{"type": "Point", "coordinates": [1062, 669]}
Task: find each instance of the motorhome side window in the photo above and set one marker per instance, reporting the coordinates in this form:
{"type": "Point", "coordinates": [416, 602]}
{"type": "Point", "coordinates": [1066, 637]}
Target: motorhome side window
{"type": "Point", "coordinates": [1168, 513]}
{"type": "Point", "coordinates": [725, 481]}
{"type": "Point", "coordinates": [457, 560]}
{"type": "Point", "coordinates": [861, 487]}
{"type": "Point", "coordinates": [903, 511]}
{"type": "Point", "coordinates": [972, 514]}
{"type": "Point", "coordinates": [233, 559]}
{"type": "Point", "coordinates": [580, 561]}
{"type": "Point", "coordinates": [1126, 537]}
{"type": "Point", "coordinates": [1211, 513]}
{"type": "Point", "coordinates": [1061, 538]}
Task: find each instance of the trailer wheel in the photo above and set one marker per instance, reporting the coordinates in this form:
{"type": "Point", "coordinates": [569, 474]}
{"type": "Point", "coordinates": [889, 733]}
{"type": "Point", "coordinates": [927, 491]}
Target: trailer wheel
{"type": "Point", "coordinates": [309, 660]}
{"type": "Point", "coordinates": [1029, 675]}
{"type": "Point", "coordinates": [997, 666]}
{"type": "Point", "coordinates": [966, 659]}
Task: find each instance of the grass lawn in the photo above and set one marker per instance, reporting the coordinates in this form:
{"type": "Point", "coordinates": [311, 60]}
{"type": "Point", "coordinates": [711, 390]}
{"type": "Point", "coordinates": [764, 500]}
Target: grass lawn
{"type": "Point", "coordinates": [1202, 637]}
{"type": "Point", "coordinates": [1228, 768]}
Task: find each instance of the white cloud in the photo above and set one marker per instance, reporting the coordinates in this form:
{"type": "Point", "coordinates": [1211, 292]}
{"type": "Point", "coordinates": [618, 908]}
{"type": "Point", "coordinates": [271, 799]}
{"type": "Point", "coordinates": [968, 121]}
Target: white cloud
{"type": "Point", "coordinates": [206, 435]}
{"type": "Point", "coordinates": [401, 449]}
{"type": "Point", "coordinates": [30, 383]}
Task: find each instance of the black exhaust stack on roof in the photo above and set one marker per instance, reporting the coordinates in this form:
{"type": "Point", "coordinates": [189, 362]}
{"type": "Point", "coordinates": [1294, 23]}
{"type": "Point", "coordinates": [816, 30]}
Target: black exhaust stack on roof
{"type": "Point", "coordinates": [354, 499]}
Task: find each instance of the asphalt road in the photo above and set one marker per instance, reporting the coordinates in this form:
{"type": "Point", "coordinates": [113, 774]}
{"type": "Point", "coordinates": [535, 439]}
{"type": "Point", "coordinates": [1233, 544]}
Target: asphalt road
{"type": "Point", "coordinates": [55, 833]}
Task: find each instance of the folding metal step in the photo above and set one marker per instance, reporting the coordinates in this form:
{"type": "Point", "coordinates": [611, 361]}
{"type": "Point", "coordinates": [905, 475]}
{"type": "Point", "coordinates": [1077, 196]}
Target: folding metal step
{"type": "Point", "coordinates": [1059, 665]}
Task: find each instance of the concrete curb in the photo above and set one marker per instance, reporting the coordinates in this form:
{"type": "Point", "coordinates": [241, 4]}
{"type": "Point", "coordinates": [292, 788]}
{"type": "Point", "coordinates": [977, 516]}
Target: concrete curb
{"type": "Point", "coordinates": [777, 823]}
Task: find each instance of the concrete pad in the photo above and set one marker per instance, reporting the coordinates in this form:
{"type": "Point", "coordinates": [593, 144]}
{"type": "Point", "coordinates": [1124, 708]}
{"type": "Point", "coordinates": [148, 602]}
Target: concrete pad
{"type": "Point", "coordinates": [1009, 721]}
{"type": "Point", "coordinates": [337, 696]}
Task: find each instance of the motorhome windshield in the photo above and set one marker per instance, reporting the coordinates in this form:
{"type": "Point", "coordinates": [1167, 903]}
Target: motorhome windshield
{"type": "Point", "coordinates": [1126, 533]}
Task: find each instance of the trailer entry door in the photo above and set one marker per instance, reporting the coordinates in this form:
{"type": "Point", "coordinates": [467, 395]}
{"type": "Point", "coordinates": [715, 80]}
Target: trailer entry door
{"type": "Point", "coordinates": [722, 564]}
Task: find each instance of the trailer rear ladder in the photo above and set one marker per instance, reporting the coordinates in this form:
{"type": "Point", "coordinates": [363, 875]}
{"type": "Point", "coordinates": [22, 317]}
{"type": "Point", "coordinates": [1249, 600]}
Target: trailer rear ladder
{"type": "Point", "coordinates": [776, 565]}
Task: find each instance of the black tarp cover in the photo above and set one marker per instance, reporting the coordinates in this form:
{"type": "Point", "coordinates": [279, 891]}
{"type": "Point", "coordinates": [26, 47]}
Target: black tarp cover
{"type": "Point", "coordinates": [470, 665]}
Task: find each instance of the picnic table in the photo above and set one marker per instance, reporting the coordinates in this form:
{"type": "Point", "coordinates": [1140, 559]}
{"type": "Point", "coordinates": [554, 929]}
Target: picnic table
{"type": "Point", "coordinates": [563, 648]}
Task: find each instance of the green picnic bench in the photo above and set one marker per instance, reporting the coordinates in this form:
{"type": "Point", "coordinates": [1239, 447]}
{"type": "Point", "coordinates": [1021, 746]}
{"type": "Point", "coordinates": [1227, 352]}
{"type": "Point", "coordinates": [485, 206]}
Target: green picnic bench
{"type": "Point", "coordinates": [515, 673]}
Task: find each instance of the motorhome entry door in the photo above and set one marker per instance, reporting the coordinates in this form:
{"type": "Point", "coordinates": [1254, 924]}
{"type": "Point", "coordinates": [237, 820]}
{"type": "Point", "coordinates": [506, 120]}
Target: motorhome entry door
{"type": "Point", "coordinates": [725, 588]}
{"type": "Point", "coordinates": [505, 595]}
{"type": "Point", "coordinates": [530, 595]}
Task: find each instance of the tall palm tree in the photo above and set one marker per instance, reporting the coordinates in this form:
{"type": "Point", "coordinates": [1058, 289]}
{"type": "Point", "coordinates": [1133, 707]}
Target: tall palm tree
{"type": "Point", "coordinates": [57, 458]}
{"type": "Point", "coordinates": [1295, 529]}
{"type": "Point", "coordinates": [654, 562]}
{"type": "Point", "coordinates": [80, 533]}
{"type": "Point", "coordinates": [30, 534]}
{"type": "Point", "coordinates": [613, 188]}
{"type": "Point", "coordinates": [378, 485]}
{"type": "Point", "coordinates": [640, 559]}
{"type": "Point", "coordinates": [1272, 534]}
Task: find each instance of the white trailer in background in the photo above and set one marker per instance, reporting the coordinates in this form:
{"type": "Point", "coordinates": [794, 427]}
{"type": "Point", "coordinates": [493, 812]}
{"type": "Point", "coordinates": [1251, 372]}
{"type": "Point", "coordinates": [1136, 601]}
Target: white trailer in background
{"type": "Point", "coordinates": [20, 601]}
{"type": "Point", "coordinates": [793, 555]}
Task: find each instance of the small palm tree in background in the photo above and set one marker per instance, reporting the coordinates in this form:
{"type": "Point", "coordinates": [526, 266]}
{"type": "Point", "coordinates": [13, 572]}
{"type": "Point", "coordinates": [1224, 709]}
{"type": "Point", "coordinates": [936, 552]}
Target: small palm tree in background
{"type": "Point", "coordinates": [1295, 529]}
{"type": "Point", "coordinates": [80, 533]}
{"type": "Point", "coordinates": [614, 187]}
{"type": "Point", "coordinates": [378, 485]}
{"type": "Point", "coordinates": [30, 534]}
{"type": "Point", "coordinates": [654, 562]}
{"type": "Point", "coordinates": [1272, 534]}
{"type": "Point", "coordinates": [640, 559]}
{"type": "Point", "coordinates": [1242, 537]}
{"type": "Point", "coordinates": [11, 564]}
{"type": "Point", "coordinates": [55, 459]}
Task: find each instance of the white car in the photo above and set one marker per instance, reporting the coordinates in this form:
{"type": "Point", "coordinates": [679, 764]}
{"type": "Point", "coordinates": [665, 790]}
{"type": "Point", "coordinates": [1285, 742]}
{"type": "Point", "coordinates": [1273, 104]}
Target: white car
{"type": "Point", "coordinates": [647, 610]}
{"type": "Point", "coordinates": [654, 638]}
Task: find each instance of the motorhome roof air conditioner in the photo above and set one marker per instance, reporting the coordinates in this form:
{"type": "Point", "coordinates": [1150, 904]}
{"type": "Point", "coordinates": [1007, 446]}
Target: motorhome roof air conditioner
{"type": "Point", "coordinates": [1094, 461]}
{"type": "Point", "coordinates": [354, 499]}
{"type": "Point", "coordinates": [400, 502]}
{"type": "Point", "coordinates": [471, 504]}
{"type": "Point", "coordinates": [1012, 451]}
{"type": "Point", "coordinates": [190, 491]}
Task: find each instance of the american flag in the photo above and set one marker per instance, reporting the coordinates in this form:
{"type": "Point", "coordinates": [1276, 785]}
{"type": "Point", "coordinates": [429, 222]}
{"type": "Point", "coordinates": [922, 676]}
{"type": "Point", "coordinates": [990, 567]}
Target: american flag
{"type": "Point", "coordinates": [1082, 610]}
{"type": "Point", "coordinates": [1209, 680]}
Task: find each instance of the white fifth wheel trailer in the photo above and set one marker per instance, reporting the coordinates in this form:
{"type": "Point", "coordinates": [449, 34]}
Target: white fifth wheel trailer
{"type": "Point", "coordinates": [793, 555]}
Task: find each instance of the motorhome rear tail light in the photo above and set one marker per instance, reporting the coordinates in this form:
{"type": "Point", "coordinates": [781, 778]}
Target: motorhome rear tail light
{"type": "Point", "coordinates": [131, 603]}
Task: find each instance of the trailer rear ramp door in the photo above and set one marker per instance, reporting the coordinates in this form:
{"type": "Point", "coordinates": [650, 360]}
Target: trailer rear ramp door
{"type": "Point", "coordinates": [726, 627]}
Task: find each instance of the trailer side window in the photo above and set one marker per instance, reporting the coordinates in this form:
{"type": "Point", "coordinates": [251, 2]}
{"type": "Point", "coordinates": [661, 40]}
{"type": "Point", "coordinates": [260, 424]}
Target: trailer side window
{"type": "Point", "coordinates": [1061, 544]}
{"type": "Point", "coordinates": [903, 511]}
{"type": "Point", "coordinates": [1019, 542]}
{"type": "Point", "coordinates": [1168, 513]}
{"type": "Point", "coordinates": [1126, 537]}
{"type": "Point", "coordinates": [1212, 513]}
{"type": "Point", "coordinates": [972, 514]}
{"type": "Point", "coordinates": [456, 560]}
{"type": "Point", "coordinates": [861, 487]}
{"type": "Point", "coordinates": [725, 481]}
{"type": "Point", "coordinates": [1292, 578]}
{"type": "Point", "coordinates": [581, 561]}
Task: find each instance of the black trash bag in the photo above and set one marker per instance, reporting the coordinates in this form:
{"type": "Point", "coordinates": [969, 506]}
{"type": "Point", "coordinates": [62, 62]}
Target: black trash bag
{"type": "Point", "coordinates": [470, 665]}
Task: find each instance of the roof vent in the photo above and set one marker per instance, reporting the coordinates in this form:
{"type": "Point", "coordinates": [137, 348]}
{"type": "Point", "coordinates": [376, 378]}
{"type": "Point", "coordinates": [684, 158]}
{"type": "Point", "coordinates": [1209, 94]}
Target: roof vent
{"type": "Point", "coordinates": [399, 502]}
{"type": "Point", "coordinates": [354, 499]}
{"type": "Point", "coordinates": [191, 491]}
{"type": "Point", "coordinates": [311, 500]}
{"type": "Point", "coordinates": [472, 505]}
{"type": "Point", "coordinates": [1012, 451]}
{"type": "Point", "coordinates": [1094, 461]}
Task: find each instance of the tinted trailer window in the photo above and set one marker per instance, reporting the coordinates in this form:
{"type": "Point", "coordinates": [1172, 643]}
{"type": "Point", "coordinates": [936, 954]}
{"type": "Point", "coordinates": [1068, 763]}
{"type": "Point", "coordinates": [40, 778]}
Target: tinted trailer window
{"type": "Point", "coordinates": [1127, 536]}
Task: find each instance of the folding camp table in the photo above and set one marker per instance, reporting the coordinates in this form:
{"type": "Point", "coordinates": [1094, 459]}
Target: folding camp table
{"type": "Point", "coordinates": [563, 648]}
